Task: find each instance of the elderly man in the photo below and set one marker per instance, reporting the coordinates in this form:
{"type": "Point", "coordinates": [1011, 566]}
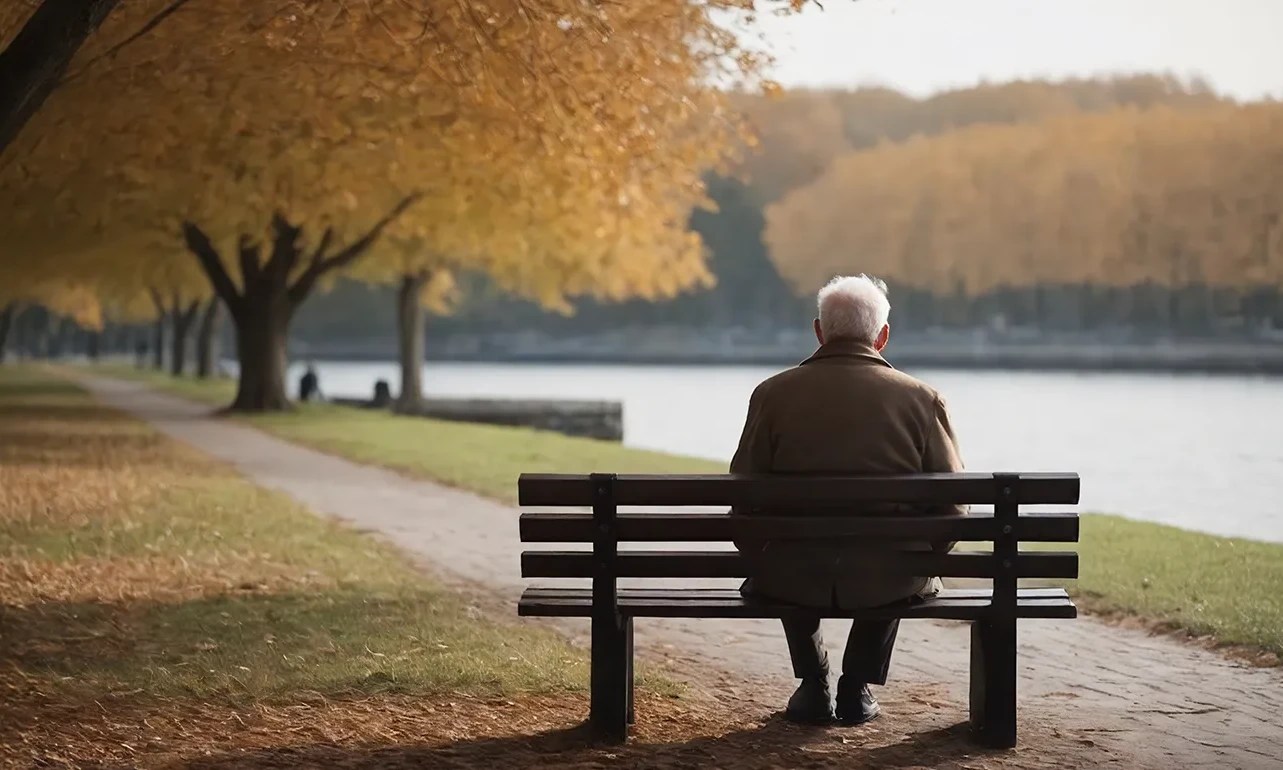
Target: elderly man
{"type": "Point", "coordinates": [843, 411]}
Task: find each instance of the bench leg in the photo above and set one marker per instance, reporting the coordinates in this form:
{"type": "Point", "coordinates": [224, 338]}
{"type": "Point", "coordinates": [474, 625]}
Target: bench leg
{"type": "Point", "coordinates": [993, 681]}
{"type": "Point", "coordinates": [610, 681]}
{"type": "Point", "coordinates": [628, 643]}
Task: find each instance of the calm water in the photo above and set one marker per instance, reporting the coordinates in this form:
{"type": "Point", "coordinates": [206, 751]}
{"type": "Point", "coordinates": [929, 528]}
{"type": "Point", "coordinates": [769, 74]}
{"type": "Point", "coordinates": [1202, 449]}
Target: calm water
{"type": "Point", "coordinates": [1198, 452]}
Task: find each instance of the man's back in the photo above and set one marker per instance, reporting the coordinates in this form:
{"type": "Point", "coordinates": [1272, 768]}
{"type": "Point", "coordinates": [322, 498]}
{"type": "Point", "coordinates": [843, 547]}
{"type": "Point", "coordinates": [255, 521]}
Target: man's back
{"type": "Point", "coordinates": [845, 411]}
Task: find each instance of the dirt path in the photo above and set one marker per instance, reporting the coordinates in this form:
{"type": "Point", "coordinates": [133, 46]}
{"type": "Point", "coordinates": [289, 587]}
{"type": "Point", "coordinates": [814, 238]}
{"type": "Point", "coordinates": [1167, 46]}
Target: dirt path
{"type": "Point", "coordinates": [1127, 697]}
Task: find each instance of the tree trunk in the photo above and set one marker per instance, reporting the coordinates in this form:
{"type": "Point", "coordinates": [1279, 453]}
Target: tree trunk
{"type": "Point", "coordinates": [410, 336]}
{"type": "Point", "coordinates": [120, 339]}
{"type": "Point", "coordinates": [261, 337]}
{"type": "Point", "coordinates": [269, 295]}
{"type": "Point", "coordinates": [178, 347]}
{"type": "Point", "coordinates": [207, 339]}
{"type": "Point", "coordinates": [6, 322]}
{"type": "Point", "coordinates": [93, 345]}
{"type": "Point", "coordinates": [35, 61]}
{"type": "Point", "coordinates": [61, 338]}
{"type": "Point", "coordinates": [183, 316]}
{"type": "Point", "coordinates": [158, 344]}
{"type": "Point", "coordinates": [22, 324]}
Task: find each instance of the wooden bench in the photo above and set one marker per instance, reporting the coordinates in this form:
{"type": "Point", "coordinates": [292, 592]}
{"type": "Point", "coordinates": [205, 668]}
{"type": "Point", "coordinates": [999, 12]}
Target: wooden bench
{"type": "Point", "coordinates": [992, 611]}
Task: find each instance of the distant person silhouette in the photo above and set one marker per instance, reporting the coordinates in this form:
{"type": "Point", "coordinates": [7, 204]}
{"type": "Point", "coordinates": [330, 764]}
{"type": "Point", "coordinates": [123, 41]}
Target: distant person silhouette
{"type": "Point", "coordinates": [382, 394]}
{"type": "Point", "coordinates": [140, 355]}
{"type": "Point", "coordinates": [309, 385]}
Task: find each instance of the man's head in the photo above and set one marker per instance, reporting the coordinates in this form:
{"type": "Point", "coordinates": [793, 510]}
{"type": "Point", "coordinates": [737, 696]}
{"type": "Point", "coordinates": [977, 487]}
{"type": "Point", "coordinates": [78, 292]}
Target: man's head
{"type": "Point", "coordinates": [854, 308]}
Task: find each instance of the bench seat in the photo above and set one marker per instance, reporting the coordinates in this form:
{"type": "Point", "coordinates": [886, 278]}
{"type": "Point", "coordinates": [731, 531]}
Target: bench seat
{"type": "Point", "coordinates": [950, 604]}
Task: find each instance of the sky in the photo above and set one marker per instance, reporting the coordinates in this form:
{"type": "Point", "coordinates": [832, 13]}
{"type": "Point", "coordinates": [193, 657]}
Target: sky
{"type": "Point", "coordinates": [925, 46]}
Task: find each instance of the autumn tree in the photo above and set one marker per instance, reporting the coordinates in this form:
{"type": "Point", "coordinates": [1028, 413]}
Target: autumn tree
{"type": "Point", "coordinates": [67, 305]}
{"type": "Point", "coordinates": [562, 143]}
{"type": "Point", "coordinates": [1186, 200]}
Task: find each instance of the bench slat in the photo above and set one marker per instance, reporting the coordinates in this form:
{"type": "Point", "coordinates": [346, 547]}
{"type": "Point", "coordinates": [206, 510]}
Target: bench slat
{"type": "Point", "coordinates": [702, 594]}
{"type": "Point", "coordinates": [712, 527]}
{"type": "Point", "coordinates": [730, 564]}
{"type": "Point", "coordinates": [552, 490]}
{"type": "Point", "coordinates": [952, 604]}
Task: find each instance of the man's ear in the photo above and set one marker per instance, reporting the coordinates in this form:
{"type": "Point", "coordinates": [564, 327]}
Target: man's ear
{"type": "Point", "coordinates": [883, 337]}
{"type": "Point", "coordinates": [819, 333]}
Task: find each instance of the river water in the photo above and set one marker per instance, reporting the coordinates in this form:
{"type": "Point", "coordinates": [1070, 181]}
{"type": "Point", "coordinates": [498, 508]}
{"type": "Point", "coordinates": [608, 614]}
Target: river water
{"type": "Point", "coordinates": [1199, 452]}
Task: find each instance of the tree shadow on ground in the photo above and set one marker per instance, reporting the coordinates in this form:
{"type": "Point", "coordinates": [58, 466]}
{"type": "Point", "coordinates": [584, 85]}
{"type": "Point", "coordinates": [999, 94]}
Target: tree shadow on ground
{"type": "Point", "coordinates": [774, 743]}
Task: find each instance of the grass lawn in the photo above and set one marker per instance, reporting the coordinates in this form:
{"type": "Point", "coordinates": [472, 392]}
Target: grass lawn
{"type": "Point", "coordinates": [1179, 580]}
{"type": "Point", "coordinates": [1228, 588]}
{"type": "Point", "coordinates": [218, 391]}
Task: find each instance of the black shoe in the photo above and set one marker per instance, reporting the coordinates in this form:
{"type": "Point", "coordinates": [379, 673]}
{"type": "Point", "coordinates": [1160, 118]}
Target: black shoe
{"type": "Point", "coordinates": [812, 703]}
{"type": "Point", "coordinates": [856, 705]}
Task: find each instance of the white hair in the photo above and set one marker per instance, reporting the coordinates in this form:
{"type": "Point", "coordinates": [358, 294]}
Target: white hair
{"type": "Point", "coordinates": [853, 307]}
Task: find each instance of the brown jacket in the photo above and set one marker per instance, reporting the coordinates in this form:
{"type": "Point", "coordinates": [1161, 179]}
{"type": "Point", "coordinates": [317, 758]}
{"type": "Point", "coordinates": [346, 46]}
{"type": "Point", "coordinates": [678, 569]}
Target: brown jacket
{"type": "Point", "coordinates": [843, 411]}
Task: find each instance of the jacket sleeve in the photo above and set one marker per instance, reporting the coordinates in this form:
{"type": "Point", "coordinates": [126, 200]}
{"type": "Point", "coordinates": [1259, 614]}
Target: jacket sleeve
{"type": "Point", "coordinates": [942, 455]}
{"type": "Point", "coordinates": [753, 454]}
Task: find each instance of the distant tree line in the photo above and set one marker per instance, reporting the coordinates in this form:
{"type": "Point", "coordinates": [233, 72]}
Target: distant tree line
{"type": "Point", "coordinates": [1147, 217]}
{"type": "Point", "coordinates": [1141, 202]}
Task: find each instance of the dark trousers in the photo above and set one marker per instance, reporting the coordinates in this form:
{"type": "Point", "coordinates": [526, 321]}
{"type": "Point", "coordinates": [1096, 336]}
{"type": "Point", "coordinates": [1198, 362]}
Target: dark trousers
{"type": "Point", "coordinates": [866, 659]}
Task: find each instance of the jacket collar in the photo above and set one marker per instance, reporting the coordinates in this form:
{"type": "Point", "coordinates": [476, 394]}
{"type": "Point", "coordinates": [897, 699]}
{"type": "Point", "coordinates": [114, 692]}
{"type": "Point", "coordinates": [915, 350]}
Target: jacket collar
{"type": "Point", "coordinates": [849, 349]}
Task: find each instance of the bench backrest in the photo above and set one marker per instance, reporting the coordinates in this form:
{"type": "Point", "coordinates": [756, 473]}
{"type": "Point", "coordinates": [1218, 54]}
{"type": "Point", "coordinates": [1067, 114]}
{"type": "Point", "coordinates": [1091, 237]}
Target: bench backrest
{"type": "Point", "coordinates": [605, 527]}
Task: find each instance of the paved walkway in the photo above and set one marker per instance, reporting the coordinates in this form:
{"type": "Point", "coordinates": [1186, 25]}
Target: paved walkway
{"type": "Point", "coordinates": [1139, 699]}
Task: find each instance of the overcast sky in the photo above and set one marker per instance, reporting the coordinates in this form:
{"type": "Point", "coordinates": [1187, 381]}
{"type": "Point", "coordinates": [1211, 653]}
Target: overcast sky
{"type": "Point", "coordinates": [923, 46]}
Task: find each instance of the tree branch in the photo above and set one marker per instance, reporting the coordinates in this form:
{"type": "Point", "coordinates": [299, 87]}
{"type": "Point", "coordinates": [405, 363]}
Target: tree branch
{"type": "Point", "coordinates": [361, 245]}
{"type": "Point", "coordinates": [247, 252]}
{"type": "Point", "coordinates": [33, 63]}
{"type": "Point", "coordinates": [154, 22]}
{"type": "Point", "coordinates": [189, 315]}
{"type": "Point", "coordinates": [199, 244]}
{"type": "Point", "coordinates": [285, 251]}
{"type": "Point", "coordinates": [303, 286]}
{"type": "Point", "coordinates": [323, 246]}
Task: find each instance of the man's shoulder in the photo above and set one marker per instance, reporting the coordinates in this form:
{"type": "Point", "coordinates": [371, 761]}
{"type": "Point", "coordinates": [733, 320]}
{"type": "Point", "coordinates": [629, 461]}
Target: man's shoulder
{"type": "Point", "coordinates": [774, 382]}
{"type": "Point", "coordinates": [885, 381]}
{"type": "Point", "coordinates": [910, 384]}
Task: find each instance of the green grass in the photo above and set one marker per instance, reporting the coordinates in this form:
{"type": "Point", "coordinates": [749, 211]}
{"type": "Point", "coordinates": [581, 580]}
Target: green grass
{"type": "Point", "coordinates": [482, 458]}
{"type": "Point", "coordinates": [217, 391]}
{"type": "Point", "coordinates": [130, 563]}
{"type": "Point", "coordinates": [1226, 587]}
{"type": "Point", "coordinates": [1181, 580]}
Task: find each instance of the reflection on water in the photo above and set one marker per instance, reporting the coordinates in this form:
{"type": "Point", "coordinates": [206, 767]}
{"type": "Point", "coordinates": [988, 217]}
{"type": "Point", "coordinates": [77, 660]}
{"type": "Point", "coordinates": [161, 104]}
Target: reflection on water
{"type": "Point", "coordinates": [1194, 451]}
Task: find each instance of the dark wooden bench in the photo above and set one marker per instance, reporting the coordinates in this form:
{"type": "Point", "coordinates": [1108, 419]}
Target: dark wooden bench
{"type": "Point", "coordinates": [992, 611]}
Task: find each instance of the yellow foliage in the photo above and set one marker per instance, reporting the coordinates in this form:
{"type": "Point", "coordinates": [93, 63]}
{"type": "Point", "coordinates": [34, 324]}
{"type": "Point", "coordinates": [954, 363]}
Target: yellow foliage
{"type": "Point", "coordinates": [556, 144]}
{"type": "Point", "coordinates": [76, 301]}
{"type": "Point", "coordinates": [1173, 197]}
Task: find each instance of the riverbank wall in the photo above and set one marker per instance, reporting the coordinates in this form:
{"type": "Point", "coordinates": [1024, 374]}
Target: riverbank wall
{"type": "Point", "coordinates": [1263, 357]}
{"type": "Point", "coordinates": [602, 420]}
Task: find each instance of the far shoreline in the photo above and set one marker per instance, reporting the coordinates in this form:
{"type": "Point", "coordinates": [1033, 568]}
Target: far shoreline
{"type": "Point", "coordinates": [1262, 362]}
